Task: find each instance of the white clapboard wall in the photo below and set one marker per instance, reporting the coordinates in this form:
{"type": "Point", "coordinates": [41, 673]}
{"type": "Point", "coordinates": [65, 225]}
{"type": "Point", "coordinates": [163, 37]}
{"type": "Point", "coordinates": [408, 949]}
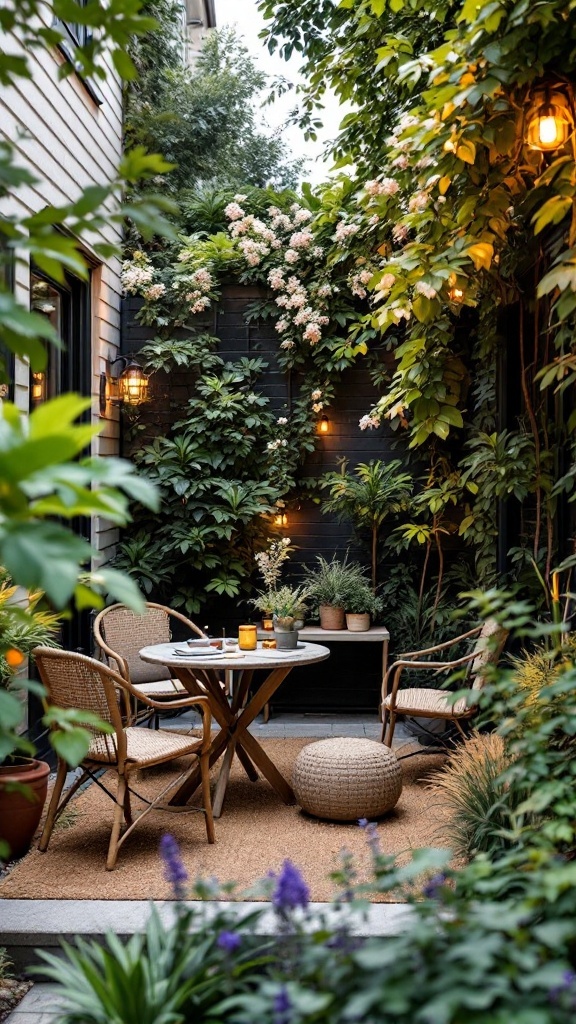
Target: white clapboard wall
{"type": "Point", "coordinates": [68, 141]}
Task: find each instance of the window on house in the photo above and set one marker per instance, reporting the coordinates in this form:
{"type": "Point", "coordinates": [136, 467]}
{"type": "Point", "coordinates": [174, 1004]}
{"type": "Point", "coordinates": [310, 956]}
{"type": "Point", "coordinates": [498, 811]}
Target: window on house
{"type": "Point", "coordinates": [75, 35]}
{"type": "Point", "coordinates": [6, 356]}
{"type": "Point", "coordinates": [78, 35]}
{"type": "Point", "coordinates": [67, 307]}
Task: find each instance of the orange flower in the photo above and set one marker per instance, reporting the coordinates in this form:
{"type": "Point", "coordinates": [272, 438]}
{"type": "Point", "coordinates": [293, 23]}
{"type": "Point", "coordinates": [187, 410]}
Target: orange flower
{"type": "Point", "coordinates": [14, 657]}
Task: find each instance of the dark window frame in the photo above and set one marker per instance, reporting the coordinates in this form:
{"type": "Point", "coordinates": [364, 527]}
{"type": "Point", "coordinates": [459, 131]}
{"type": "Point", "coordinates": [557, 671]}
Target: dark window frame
{"type": "Point", "coordinates": [8, 279]}
{"type": "Point", "coordinates": [77, 35]}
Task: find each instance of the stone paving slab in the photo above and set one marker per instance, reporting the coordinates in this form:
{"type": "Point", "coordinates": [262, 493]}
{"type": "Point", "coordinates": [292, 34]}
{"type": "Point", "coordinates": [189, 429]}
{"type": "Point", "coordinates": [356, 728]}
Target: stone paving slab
{"type": "Point", "coordinates": [42, 923]}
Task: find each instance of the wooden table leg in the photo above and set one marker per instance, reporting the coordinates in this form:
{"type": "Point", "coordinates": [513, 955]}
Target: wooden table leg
{"type": "Point", "coordinates": [384, 671]}
{"type": "Point", "coordinates": [221, 785]}
{"type": "Point", "coordinates": [234, 733]}
{"type": "Point", "coordinates": [267, 767]}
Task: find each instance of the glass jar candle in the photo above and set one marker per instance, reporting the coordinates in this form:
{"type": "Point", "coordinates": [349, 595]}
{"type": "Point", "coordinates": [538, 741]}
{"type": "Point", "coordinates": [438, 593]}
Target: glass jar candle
{"type": "Point", "coordinates": [247, 639]}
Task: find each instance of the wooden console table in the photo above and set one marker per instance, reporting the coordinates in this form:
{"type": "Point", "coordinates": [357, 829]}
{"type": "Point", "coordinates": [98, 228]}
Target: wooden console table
{"type": "Point", "coordinates": [314, 634]}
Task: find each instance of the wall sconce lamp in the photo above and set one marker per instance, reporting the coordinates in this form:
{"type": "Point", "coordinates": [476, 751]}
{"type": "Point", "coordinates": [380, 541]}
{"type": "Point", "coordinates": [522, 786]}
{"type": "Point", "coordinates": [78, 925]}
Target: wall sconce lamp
{"type": "Point", "coordinates": [550, 119]}
{"type": "Point", "coordinates": [324, 425]}
{"type": "Point", "coordinates": [281, 519]}
{"type": "Point", "coordinates": [129, 388]}
{"type": "Point", "coordinates": [38, 390]}
{"type": "Point", "coordinates": [455, 290]}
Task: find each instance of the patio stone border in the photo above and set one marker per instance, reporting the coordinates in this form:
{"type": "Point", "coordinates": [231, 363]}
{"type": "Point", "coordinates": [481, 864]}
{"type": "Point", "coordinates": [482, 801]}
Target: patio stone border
{"type": "Point", "coordinates": [26, 925]}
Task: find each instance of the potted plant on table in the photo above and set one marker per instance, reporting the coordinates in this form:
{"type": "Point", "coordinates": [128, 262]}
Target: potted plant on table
{"type": "Point", "coordinates": [362, 607]}
{"type": "Point", "coordinates": [23, 779]}
{"type": "Point", "coordinates": [330, 583]}
{"type": "Point", "coordinates": [269, 566]}
{"type": "Point", "coordinates": [288, 608]}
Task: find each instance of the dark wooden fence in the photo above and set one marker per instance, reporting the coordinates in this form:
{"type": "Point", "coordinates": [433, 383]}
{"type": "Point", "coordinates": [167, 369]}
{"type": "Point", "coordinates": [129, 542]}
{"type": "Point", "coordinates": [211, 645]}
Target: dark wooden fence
{"type": "Point", "coordinates": [351, 678]}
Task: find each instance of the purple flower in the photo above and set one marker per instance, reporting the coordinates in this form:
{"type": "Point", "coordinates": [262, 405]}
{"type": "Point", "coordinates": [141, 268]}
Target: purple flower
{"type": "Point", "coordinates": [566, 986]}
{"type": "Point", "coordinates": [281, 1007]}
{"type": "Point", "coordinates": [432, 888]}
{"type": "Point", "coordinates": [228, 941]}
{"type": "Point", "coordinates": [371, 830]}
{"type": "Point", "coordinates": [291, 890]}
{"type": "Point", "coordinates": [174, 871]}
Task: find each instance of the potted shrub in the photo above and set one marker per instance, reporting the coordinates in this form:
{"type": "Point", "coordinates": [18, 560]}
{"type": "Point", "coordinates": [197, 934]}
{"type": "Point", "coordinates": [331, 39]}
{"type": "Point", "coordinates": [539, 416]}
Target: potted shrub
{"type": "Point", "coordinates": [287, 606]}
{"type": "Point", "coordinates": [362, 606]}
{"type": "Point", "coordinates": [23, 779]}
{"type": "Point", "coordinates": [330, 583]}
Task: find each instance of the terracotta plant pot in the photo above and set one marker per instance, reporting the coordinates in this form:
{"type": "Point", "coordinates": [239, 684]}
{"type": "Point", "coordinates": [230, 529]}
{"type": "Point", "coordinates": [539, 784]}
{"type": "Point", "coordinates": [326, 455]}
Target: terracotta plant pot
{"type": "Point", "coordinates": [357, 623]}
{"type": "Point", "coordinates": [23, 788]}
{"type": "Point", "coordinates": [331, 617]}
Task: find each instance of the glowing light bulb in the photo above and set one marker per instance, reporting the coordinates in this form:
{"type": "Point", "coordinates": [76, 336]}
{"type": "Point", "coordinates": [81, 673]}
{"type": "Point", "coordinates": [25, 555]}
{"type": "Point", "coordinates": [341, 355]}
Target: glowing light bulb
{"type": "Point", "coordinates": [548, 131]}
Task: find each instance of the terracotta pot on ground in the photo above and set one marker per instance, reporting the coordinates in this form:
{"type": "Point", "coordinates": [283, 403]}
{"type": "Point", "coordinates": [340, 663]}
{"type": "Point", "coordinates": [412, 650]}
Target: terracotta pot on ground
{"type": "Point", "coordinates": [357, 623]}
{"type": "Point", "coordinates": [331, 617]}
{"type": "Point", "coordinates": [23, 788]}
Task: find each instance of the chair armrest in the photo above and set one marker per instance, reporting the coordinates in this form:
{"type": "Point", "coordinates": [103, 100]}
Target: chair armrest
{"type": "Point", "coordinates": [115, 657]}
{"type": "Point", "coordinates": [437, 666]}
{"type": "Point", "coordinates": [180, 702]}
{"type": "Point", "coordinates": [440, 647]}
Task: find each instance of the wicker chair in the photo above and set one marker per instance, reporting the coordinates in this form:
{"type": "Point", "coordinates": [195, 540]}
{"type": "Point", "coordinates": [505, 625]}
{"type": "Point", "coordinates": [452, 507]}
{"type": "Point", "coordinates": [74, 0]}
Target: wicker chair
{"type": "Point", "coordinates": [76, 681]}
{"type": "Point", "coordinates": [120, 634]}
{"type": "Point", "coordinates": [436, 703]}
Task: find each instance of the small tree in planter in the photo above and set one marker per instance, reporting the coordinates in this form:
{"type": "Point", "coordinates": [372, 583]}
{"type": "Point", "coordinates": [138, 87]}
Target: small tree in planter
{"type": "Point", "coordinates": [367, 497]}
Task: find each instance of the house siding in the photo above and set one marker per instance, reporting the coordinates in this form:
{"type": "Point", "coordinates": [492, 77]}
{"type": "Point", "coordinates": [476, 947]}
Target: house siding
{"type": "Point", "coordinates": [68, 141]}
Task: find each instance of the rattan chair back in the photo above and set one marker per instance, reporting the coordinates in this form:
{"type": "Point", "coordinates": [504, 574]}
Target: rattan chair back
{"type": "Point", "coordinates": [488, 648]}
{"type": "Point", "coordinates": [77, 681]}
{"type": "Point", "coordinates": [121, 634]}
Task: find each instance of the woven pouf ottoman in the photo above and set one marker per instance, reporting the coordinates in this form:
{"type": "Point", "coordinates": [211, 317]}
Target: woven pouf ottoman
{"type": "Point", "coordinates": [345, 779]}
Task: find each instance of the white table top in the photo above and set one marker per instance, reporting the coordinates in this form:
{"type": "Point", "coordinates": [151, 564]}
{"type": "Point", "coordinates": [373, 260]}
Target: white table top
{"type": "Point", "coordinates": [306, 654]}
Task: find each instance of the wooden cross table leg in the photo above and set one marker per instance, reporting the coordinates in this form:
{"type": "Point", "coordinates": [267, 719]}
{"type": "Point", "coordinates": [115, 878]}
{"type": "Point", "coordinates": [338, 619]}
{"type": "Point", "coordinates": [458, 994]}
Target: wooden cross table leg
{"type": "Point", "coordinates": [234, 735]}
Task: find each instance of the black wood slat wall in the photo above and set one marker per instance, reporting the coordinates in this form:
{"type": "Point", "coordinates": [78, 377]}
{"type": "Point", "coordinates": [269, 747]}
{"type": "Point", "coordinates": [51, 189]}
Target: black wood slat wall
{"type": "Point", "coordinates": [346, 681]}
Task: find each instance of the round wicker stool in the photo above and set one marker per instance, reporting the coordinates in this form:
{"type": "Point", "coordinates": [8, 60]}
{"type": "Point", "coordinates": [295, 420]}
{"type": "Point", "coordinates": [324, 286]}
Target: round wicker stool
{"type": "Point", "coordinates": [345, 779]}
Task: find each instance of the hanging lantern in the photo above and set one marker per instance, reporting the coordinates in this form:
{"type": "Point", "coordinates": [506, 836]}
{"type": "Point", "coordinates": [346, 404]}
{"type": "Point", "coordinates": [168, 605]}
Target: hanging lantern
{"type": "Point", "coordinates": [549, 121]}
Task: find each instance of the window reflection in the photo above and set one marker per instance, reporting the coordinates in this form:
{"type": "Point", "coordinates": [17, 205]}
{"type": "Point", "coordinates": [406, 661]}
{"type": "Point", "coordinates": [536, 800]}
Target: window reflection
{"type": "Point", "coordinates": [45, 299]}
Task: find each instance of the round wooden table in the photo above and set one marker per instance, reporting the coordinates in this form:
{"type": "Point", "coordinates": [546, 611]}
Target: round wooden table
{"type": "Point", "coordinates": [201, 675]}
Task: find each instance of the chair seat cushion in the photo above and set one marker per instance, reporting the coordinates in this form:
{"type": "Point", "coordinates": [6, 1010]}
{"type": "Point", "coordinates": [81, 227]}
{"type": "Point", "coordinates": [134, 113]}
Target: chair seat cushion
{"type": "Point", "coordinates": [416, 699]}
{"type": "Point", "coordinates": [144, 746]}
{"type": "Point", "coordinates": [161, 688]}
